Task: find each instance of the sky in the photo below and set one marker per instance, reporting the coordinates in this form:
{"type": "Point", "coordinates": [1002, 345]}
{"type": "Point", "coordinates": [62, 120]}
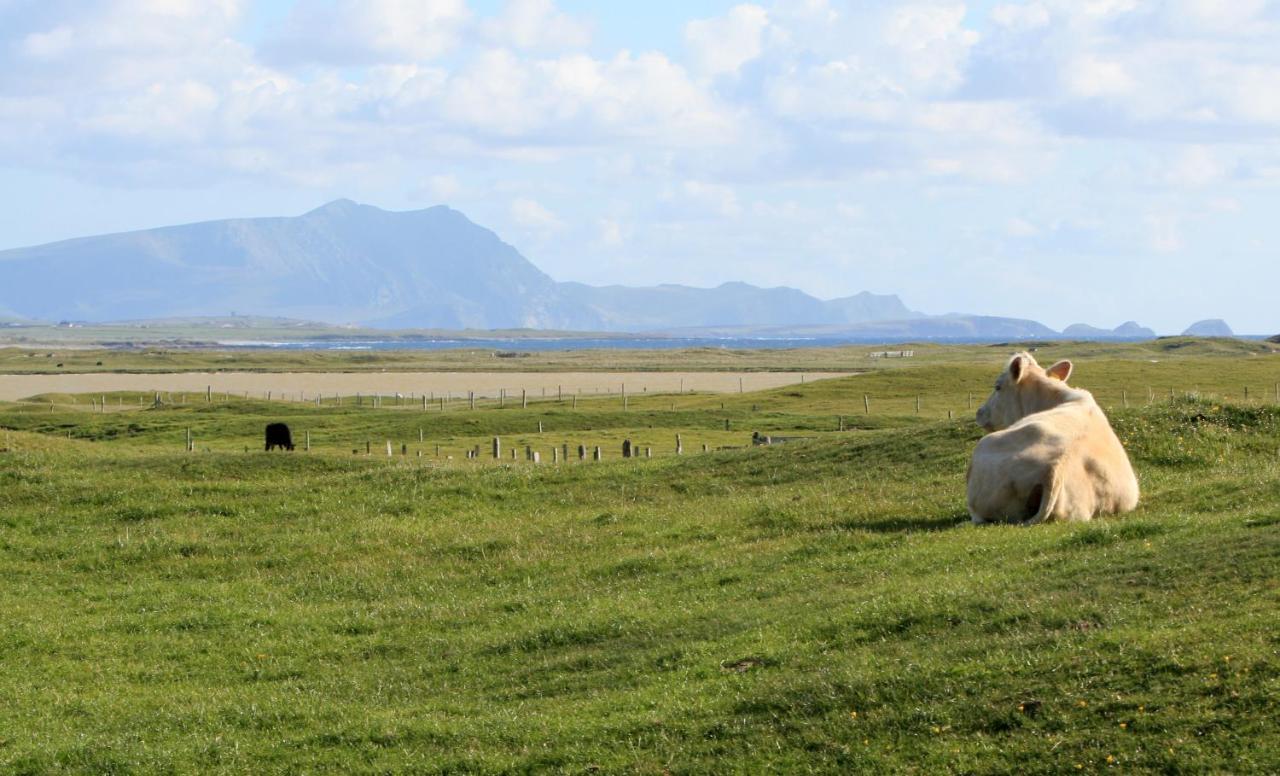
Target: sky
{"type": "Point", "coordinates": [1062, 160]}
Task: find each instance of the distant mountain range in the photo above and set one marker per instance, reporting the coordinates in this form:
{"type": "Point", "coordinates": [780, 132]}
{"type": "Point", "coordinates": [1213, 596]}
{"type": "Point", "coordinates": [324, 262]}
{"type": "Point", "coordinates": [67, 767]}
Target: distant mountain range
{"type": "Point", "coordinates": [433, 268]}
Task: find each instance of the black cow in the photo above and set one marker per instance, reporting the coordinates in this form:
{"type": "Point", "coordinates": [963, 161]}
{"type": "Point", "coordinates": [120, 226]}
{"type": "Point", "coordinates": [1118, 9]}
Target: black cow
{"type": "Point", "coordinates": [278, 436]}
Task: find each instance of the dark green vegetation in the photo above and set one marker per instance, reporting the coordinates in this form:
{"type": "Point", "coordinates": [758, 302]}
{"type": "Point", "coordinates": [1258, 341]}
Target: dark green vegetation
{"type": "Point", "coordinates": [817, 606]}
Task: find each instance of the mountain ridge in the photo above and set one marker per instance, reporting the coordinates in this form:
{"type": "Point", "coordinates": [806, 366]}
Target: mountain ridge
{"type": "Point", "coordinates": [350, 262]}
{"type": "Point", "coordinates": [345, 262]}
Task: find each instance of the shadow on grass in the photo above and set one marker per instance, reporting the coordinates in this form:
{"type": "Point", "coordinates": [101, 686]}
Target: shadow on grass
{"type": "Point", "coordinates": [905, 523]}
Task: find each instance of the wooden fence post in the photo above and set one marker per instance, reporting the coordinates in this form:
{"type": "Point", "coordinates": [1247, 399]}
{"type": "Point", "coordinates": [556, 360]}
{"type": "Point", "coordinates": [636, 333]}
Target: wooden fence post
{"type": "Point", "coordinates": [917, 404]}
{"type": "Point", "coordinates": [597, 453]}
{"type": "Point", "coordinates": [524, 399]}
{"type": "Point", "coordinates": [497, 448]}
{"type": "Point", "coordinates": [471, 398]}
{"type": "Point", "coordinates": [626, 448]}
{"type": "Point", "coordinates": [866, 404]}
{"type": "Point", "coordinates": [189, 443]}
{"type": "Point", "coordinates": [679, 445]}
{"type": "Point", "coordinates": [307, 447]}
{"type": "Point", "coordinates": [389, 448]}
{"type": "Point", "coordinates": [582, 452]}
{"type": "Point", "coordinates": [539, 427]}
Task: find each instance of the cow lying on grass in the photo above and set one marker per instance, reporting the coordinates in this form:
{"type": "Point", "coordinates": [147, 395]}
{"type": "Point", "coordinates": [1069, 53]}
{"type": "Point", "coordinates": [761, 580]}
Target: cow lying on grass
{"type": "Point", "coordinates": [1051, 455]}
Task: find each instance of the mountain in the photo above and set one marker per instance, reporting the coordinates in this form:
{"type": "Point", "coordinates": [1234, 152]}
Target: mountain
{"type": "Point", "coordinates": [1126, 330]}
{"type": "Point", "coordinates": [345, 262]}
{"type": "Point", "coordinates": [340, 262]}
{"type": "Point", "coordinates": [953, 326]}
{"type": "Point", "coordinates": [1211, 327]}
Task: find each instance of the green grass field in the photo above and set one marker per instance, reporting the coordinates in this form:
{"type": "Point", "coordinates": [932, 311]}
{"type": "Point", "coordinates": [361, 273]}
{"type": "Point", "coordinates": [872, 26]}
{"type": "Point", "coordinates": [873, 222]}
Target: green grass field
{"type": "Point", "coordinates": [818, 606]}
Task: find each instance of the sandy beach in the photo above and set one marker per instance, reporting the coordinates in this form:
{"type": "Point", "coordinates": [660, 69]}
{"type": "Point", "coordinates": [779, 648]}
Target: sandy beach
{"type": "Point", "coordinates": [307, 385]}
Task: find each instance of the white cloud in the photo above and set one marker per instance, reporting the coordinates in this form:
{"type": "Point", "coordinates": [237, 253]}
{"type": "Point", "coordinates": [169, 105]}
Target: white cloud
{"type": "Point", "coordinates": [536, 25]}
{"type": "Point", "coordinates": [1196, 166]}
{"type": "Point", "coordinates": [722, 45]}
{"type": "Point", "coordinates": [531, 214]}
{"type": "Point", "coordinates": [612, 232]}
{"type": "Point", "coordinates": [1021, 16]}
{"type": "Point", "coordinates": [1092, 76]}
{"type": "Point", "coordinates": [1164, 233]}
{"type": "Point", "coordinates": [709, 198]}
{"type": "Point", "coordinates": [441, 188]}
{"type": "Point", "coordinates": [362, 32]}
{"type": "Point", "coordinates": [933, 43]}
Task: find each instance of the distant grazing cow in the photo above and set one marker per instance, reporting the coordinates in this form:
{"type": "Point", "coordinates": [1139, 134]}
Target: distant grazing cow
{"type": "Point", "coordinates": [278, 436]}
{"type": "Point", "coordinates": [1051, 455]}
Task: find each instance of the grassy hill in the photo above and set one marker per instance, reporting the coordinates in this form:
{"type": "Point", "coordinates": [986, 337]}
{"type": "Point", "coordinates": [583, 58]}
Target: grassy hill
{"type": "Point", "coordinates": [822, 605]}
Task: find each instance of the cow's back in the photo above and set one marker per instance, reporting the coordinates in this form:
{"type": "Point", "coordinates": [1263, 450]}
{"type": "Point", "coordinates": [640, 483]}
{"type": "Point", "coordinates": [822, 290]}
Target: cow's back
{"type": "Point", "coordinates": [1067, 458]}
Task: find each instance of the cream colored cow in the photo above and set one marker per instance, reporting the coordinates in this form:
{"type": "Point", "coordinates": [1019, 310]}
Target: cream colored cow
{"type": "Point", "coordinates": [1051, 455]}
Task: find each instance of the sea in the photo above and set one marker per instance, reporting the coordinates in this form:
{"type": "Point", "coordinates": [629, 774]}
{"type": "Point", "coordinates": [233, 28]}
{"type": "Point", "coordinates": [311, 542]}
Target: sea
{"type": "Point", "coordinates": [516, 345]}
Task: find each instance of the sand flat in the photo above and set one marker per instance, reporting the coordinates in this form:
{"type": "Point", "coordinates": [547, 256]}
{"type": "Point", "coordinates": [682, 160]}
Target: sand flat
{"type": "Point", "coordinates": [306, 385]}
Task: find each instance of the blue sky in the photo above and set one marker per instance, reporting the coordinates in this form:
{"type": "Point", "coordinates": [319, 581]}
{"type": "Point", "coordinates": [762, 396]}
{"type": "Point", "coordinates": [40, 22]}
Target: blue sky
{"type": "Point", "coordinates": [1091, 160]}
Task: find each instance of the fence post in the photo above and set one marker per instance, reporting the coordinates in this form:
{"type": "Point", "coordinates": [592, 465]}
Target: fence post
{"type": "Point", "coordinates": [188, 440]}
{"type": "Point", "coordinates": [679, 445]}
{"type": "Point", "coordinates": [575, 401]}
{"type": "Point", "coordinates": [866, 404]}
{"type": "Point", "coordinates": [597, 453]}
{"type": "Point", "coordinates": [726, 424]}
{"type": "Point", "coordinates": [419, 436]}
{"type": "Point", "coordinates": [524, 399]}
{"type": "Point", "coordinates": [626, 448]}
{"type": "Point", "coordinates": [1124, 399]}
{"type": "Point", "coordinates": [582, 452]}
{"type": "Point", "coordinates": [389, 448]}
{"type": "Point", "coordinates": [471, 398]}
{"type": "Point", "coordinates": [497, 448]}
{"type": "Point", "coordinates": [539, 427]}
{"type": "Point", "coordinates": [307, 444]}
{"type": "Point", "coordinates": [917, 404]}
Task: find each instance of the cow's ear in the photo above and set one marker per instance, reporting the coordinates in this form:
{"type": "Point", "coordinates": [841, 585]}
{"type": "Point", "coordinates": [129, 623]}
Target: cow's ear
{"type": "Point", "coordinates": [1017, 367]}
{"type": "Point", "coordinates": [1060, 371]}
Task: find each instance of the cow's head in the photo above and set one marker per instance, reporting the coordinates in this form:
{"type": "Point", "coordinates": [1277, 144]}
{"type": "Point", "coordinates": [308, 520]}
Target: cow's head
{"type": "Point", "coordinates": [1022, 388]}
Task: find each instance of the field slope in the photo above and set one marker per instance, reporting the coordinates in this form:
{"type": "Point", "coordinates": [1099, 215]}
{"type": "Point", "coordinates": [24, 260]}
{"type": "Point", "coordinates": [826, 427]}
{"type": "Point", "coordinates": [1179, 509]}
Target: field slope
{"type": "Point", "coordinates": [819, 606]}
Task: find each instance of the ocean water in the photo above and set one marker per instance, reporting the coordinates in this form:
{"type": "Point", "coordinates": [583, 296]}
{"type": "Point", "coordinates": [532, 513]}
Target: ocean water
{"type": "Point", "coordinates": [534, 344]}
